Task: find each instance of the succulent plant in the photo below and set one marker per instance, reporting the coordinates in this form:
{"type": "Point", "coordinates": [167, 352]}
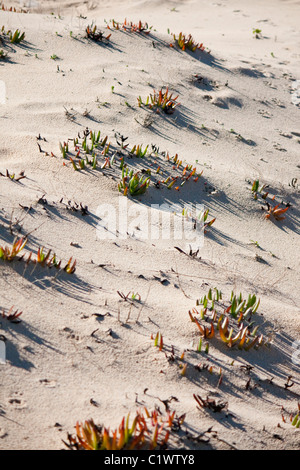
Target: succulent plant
{"type": "Point", "coordinates": [149, 430]}
{"type": "Point", "coordinates": [186, 42]}
{"type": "Point", "coordinates": [275, 212]}
{"type": "Point", "coordinates": [233, 324]}
{"type": "Point", "coordinates": [131, 27]}
{"type": "Point", "coordinates": [95, 35]}
{"type": "Point", "coordinates": [9, 254]}
{"type": "Point", "coordinates": [160, 100]}
{"type": "Point", "coordinates": [12, 316]}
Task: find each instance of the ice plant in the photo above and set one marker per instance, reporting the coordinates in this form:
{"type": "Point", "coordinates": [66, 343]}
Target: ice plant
{"type": "Point", "coordinates": [95, 35]}
{"type": "Point", "coordinates": [275, 212]}
{"type": "Point", "coordinates": [12, 316]}
{"type": "Point", "coordinates": [8, 254]}
{"type": "Point", "coordinates": [135, 184]}
{"type": "Point", "coordinates": [203, 218]}
{"type": "Point", "coordinates": [160, 100]}
{"type": "Point", "coordinates": [258, 190]}
{"type": "Point", "coordinates": [187, 43]}
{"type": "Point", "coordinates": [233, 324]}
{"type": "Point", "coordinates": [3, 55]}
{"type": "Point", "coordinates": [130, 27]}
{"type": "Point", "coordinates": [148, 431]}
{"type": "Point", "coordinates": [257, 33]}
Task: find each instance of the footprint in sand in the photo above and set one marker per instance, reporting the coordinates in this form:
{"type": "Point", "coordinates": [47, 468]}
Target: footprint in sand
{"type": "Point", "coordinates": [279, 147]}
{"type": "Point", "coordinates": [17, 402]}
{"type": "Point", "coordinates": [71, 334]}
{"type": "Point", "coordinates": [270, 84]}
{"type": "Point", "coordinates": [291, 135]}
{"type": "Point", "coordinates": [204, 83]}
{"type": "Point", "coordinates": [223, 100]}
{"type": "Point", "coordinates": [248, 72]}
{"type": "Point", "coordinates": [48, 383]}
{"type": "Point", "coordinates": [219, 94]}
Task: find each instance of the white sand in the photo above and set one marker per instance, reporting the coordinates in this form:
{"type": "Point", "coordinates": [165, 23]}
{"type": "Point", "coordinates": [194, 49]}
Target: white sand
{"type": "Point", "coordinates": [55, 366]}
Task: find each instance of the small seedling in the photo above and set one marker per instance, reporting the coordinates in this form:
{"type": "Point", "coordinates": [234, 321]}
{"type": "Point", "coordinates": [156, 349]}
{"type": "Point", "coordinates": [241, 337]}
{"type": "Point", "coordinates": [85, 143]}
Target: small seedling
{"type": "Point", "coordinates": [42, 258]}
{"type": "Point", "coordinates": [293, 419]}
{"type": "Point", "coordinates": [296, 421]}
{"type": "Point", "coordinates": [255, 243]}
{"type": "Point", "coordinates": [136, 296]}
{"type": "Point", "coordinates": [138, 151]}
{"type": "Point", "coordinates": [136, 184]}
{"type": "Point", "coordinates": [12, 9]}
{"type": "Point", "coordinates": [257, 33]}
{"type": "Point", "coordinates": [3, 55]}
{"type": "Point", "coordinates": [121, 140]}
{"type": "Point", "coordinates": [256, 189]}
{"type": "Point", "coordinates": [203, 218]}
{"type": "Point", "coordinates": [12, 176]}
{"type": "Point", "coordinates": [15, 37]}
{"type": "Point", "coordinates": [70, 268]}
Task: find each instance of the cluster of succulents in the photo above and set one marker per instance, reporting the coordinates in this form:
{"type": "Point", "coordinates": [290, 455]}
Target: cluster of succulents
{"type": "Point", "coordinates": [43, 259]}
{"type": "Point", "coordinates": [130, 27]}
{"type": "Point", "coordinates": [161, 100]}
{"type": "Point", "coordinates": [148, 431]}
{"type": "Point", "coordinates": [234, 323]}
{"type": "Point", "coordinates": [92, 152]}
{"type": "Point", "coordinates": [15, 37]}
{"type": "Point", "coordinates": [95, 34]}
{"type": "Point", "coordinates": [186, 42]}
{"type": "Point", "coordinates": [12, 9]}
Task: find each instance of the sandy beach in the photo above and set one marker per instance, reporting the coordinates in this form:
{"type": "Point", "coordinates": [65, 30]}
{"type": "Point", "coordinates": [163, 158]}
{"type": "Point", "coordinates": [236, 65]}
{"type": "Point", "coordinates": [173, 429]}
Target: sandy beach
{"type": "Point", "coordinates": [149, 222]}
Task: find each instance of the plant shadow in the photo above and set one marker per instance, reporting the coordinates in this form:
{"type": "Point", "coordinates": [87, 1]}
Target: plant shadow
{"type": "Point", "coordinates": [55, 281]}
{"type": "Point", "coordinates": [33, 338]}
